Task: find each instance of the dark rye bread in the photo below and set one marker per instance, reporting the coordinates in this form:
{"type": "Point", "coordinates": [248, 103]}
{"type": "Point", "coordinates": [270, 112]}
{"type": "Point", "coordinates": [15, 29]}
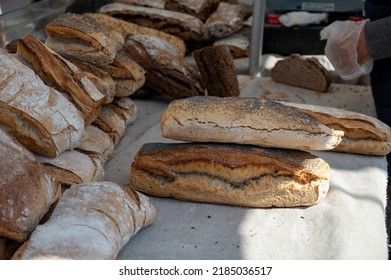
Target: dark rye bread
{"type": "Point", "coordinates": [218, 71]}
{"type": "Point", "coordinates": [182, 25]}
{"type": "Point", "coordinates": [245, 121]}
{"type": "Point", "coordinates": [298, 71]}
{"type": "Point", "coordinates": [230, 174]}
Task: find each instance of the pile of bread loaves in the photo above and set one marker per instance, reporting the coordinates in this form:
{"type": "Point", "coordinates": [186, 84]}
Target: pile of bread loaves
{"type": "Point", "coordinates": [66, 102]}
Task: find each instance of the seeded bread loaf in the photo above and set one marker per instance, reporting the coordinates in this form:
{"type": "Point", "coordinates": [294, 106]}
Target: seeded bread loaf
{"type": "Point", "coordinates": [230, 174]}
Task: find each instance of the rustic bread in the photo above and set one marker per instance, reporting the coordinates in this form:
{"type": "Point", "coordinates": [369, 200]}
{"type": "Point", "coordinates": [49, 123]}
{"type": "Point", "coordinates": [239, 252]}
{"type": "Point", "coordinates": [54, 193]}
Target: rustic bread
{"type": "Point", "coordinates": [40, 117]}
{"type": "Point", "coordinates": [127, 74]}
{"type": "Point", "coordinates": [201, 9]}
{"type": "Point", "coordinates": [230, 174]}
{"type": "Point", "coordinates": [245, 121]}
{"type": "Point", "coordinates": [238, 42]}
{"type": "Point", "coordinates": [362, 134]}
{"type": "Point", "coordinates": [100, 78]}
{"type": "Point", "coordinates": [61, 74]}
{"type": "Point", "coordinates": [129, 29]}
{"type": "Point", "coordinates": [227, 19]}
{"type": "Point", "coordinates": [182, 25]}
{"type": "Point", "coordinates": [73, 167]}
{"type": "Point", "coordinates": [298, 71]}
{"type": "Point", "coordinates": [81, 37]}
{"type": "Point", "coordinates": [145, 3]}
{"type": "Point", "coordinates": [26, 189]}
{"type": "Point", "coordinates": [125, 108]}
{"type": "Point", "coordinates": [165, 73]}
{"type": "Point", "coordinates": [90, 222]}
{"type": "Point", "coordinates": [218, 71]}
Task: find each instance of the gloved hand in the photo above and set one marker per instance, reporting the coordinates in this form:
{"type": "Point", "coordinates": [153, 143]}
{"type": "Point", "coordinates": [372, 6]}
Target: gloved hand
{"type": "Point", "coordinates": [342, 48]}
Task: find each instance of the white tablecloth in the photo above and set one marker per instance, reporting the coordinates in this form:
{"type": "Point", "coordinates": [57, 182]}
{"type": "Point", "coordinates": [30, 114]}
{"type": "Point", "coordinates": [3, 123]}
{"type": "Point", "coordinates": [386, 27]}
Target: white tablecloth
{"type": "Point", "coordinates": [348, 224]}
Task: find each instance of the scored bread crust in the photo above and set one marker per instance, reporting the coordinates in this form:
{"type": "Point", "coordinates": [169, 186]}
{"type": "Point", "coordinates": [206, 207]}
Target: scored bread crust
{"type": "Point", "coordinates": [362, 134]}
{"type": "Point", "coordinates": [245, 121]}
{"type": "Point", "coordinates": [298, 71]}
{"type": "Point", "coordinates": [230, 174]}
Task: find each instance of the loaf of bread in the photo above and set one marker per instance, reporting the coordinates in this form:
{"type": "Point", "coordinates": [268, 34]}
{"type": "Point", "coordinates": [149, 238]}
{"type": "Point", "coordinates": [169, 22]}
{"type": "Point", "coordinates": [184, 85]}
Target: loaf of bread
{"type": "Point", "coordinates": [362, 134]}
{"type": "Point", "coordinates": [61, 74]}
{"type": "Point", "coordinates": [298, 71]}
{"type": "Point", "coordinates": [26, 189]}
{"type": "Point", "coordinates": [90, 222]}
{"type": "Point", "coordinates": [127, 74]}
{"type": "Point", "coordinates": [73, 167]}
{"type": "Point", "coordinates": [96, 143]}
{"type": "Point", "coordinates": [182, 25]}
{"type": "Point", "coordinates": [145, 3]}
{"type": "Point", "coordinates": [227, 19]}
{"type": "Point", "coordinates": [165, 73]}
{"type": "Point", "coordinates": [40, 117]}
{"type": "Point", "coordinates": [125, 108]}
{"type": "Point", "coordinates": [232, 174]}
{"type": "Point", "coordinates": [201, 9]}
{"type": "Point", "coordinates": [129, 29]}
{"type": "Point", "coordinates": [245, 120]}
{"type": "Point", "coordinates": [100, 78]}
{"type": "Point", "coordinates": [238, 42]}
{"type": "Point", "coordinates": [81, 37]}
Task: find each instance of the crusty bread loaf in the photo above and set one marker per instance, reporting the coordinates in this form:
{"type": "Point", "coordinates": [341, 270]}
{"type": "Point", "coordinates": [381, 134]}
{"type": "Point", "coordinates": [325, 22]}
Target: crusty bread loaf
{"type": "Point", "coordinates": [165, 73]}
{"type": "Point", "coordinates": [61, 74]}
{"type": "Point", "coordinates": [129, 29]}
{"type": "Point", "coordinates": [298, 71]}
{"type": "Point", "coordinates": [182, 25]}
{"type": "Point", "coordinates": [127, 74]}
{"type": "Point", "coordinates": [90, 222]}
{"type": "Point", "coordinates": [230, 174]}
{"type": "Point", "coordinates": [227, 19]}
{"type": "Point", "coordinates": [201, 9]}
{"type": "Point", "coordinates": [39, 116]}
{"type": "Point", "coordinates": [73, 167]}
{"type": "Point", "coordinates": [245, 121]}
{"type": "Point", "coordinates": [145, 3]}
{"type": "Point", "coordinates": [81, 37]}
{"type": "Point", "coordinates": [362, 134]}
{"type": "Point", "coordinates": [26, 189]}
{"type": "Point", "coordinates": [125, 108]}
{"type": "Point", "coordinates": [238, 42]}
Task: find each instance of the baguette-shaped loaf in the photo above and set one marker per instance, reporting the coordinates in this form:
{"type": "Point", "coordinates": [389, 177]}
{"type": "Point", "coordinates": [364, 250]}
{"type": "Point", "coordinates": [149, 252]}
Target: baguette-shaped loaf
{"type": "Point", "coordinates": [245, 120]}
{"type": "Point", "coordinates": [184, 26]}
{"type": "Point", "coordinates": [129, 29]}
{"type": "Point", "coordinates": [40, 117]}
{"type": "Point", "coordinates": [60, 73]}
{"type": "Point", "coordinates": [26, 190]}
{"type": "Point", "coordinates": [230, 174]}
{"type": "Point", "coordinates": [362, 134]}
{"type": "Point", "coordinates": [90, 222]}
{"type": "Point", "coordinates": [81, 37]}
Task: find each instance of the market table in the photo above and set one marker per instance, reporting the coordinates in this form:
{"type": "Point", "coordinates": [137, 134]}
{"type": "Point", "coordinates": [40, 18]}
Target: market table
{"type": "Point", "coordinates": [348, 224]}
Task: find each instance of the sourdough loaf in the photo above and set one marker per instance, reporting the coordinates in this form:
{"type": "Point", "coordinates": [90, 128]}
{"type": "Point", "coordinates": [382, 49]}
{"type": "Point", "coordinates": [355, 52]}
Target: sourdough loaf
{"type": "Point", "coordinates": [298, 71]}
{"type": "Point", "coordinates": [182, 25]}
{"type": "Point", "coordinates": [81, 37]}
{"type": "Point", "coordinates": [61, 74]}
{"type": "Point", "coordinates": [362, 134]}
{"type": "Point", "coordinates": [26, 190]}
{"type": "Point", "coordinates": [230, 174]}
{"type": "Point", "coordinates": [245, 121]}
{"type": "Point", "coordinates": [125, 108]}
{"type": "Point", "coordinates": [40, 117]}
{"type": "Point", "coordinates": [90, 222]}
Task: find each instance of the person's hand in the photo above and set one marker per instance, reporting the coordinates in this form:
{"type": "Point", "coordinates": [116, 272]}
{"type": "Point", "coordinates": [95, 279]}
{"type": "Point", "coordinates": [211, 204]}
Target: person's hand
{"type": "Point", "coordinates": [346, 48]}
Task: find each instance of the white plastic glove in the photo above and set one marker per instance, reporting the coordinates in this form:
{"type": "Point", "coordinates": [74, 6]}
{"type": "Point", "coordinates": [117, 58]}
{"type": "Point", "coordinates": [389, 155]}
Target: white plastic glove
{"type": "Point", "coordinates": [341, 48]}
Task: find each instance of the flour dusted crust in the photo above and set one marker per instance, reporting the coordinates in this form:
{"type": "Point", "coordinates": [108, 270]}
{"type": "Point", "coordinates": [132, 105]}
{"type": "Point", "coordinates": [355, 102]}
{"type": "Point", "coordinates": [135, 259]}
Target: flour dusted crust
{"type": "Point", "coordinates": [238, 42]}
{"type": "Point", "coordinates": [129, 29]}
{"type": "Point", "coordinates": [60, 73]}
{"type": "Point", "coordinates": [90, 222]}
{"type": "Point", "coordinates": [39, 116]}
{"type": "Point", "coordinates": [81, 37]}
{"type": "Point", "coordinates": [111, 123]}
{"type": "Point", "coordinates": [26, 190]}
{"type": "Point", "coordinates": [230, 174]}
{"type": "Point", "coordinates": [125, 108]}
{"type": "Point", "coordinates": [245, 121]}
{"type": "Point", "coordinates": [182, 25]}
{"type": "Point", "coordinates": [362, 134]}
{"type": "Point", "coordinates": [201, 9]}
{"type": "Point", "coordinates": [96, 143]}
{"type": "Point", "coordinates": [298, 71]}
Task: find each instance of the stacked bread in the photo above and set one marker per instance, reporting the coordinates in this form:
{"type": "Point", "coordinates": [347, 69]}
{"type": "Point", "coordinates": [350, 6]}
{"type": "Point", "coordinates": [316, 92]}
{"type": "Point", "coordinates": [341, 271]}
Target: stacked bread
{"type": "Point", "coordinates": [240, 151]}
